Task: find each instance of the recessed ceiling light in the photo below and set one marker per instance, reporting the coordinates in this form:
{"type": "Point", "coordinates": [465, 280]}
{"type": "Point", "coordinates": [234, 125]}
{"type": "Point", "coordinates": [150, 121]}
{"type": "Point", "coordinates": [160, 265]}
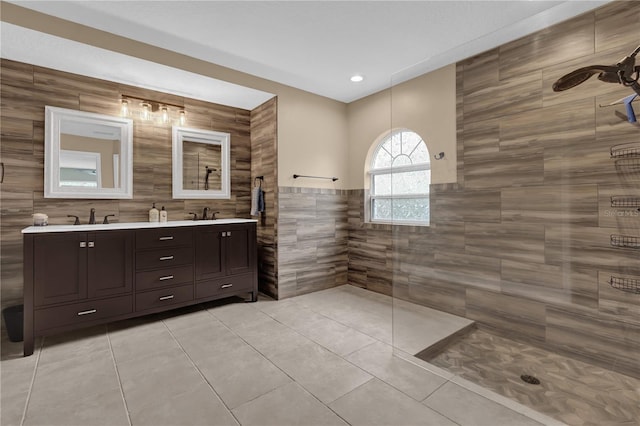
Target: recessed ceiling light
{"type": "Point", "coordinates": [357, 78]}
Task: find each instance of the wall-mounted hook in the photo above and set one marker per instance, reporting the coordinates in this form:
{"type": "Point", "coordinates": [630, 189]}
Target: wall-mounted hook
{"type": "Point", "coordinates": [439, 156]}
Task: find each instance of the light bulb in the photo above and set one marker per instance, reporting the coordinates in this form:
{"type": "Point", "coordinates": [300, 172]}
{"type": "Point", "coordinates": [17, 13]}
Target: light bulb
{"type": "Point", "coordinates": [124, 110]}
{"type": "Point", "coordinates": [145, 114]}
{"type": "Point", "coordinates": [183, 117]}
{"type": "Point", "coordinates": [165, 115]}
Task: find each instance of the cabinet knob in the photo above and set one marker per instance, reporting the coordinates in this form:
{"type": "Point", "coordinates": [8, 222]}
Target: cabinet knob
{"type": "Point", "coordinates": [83, 244]}
{"type": "Point", "coordinates": [169, 297]}
{"type": "Point", "coordinates": [92, 244]}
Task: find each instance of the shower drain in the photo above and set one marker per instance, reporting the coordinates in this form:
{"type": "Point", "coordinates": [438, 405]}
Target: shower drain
{"type": "Point", "coordinates": [530, 379]}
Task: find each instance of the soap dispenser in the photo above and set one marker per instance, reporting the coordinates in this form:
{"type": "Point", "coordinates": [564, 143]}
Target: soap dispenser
{"type": "Point", "coordinates": [163, 215]}
{"type": "Point", "coordinates": [154, 214]}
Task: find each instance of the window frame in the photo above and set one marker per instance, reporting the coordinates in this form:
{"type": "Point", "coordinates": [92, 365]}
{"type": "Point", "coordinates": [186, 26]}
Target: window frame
{"type": "Point", "coordinates": [373, 172]}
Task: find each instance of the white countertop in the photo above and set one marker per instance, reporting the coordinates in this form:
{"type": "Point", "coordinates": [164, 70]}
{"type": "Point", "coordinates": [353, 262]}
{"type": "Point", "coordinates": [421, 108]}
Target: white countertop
{"type": "Point", "coordinates": [131, 225]}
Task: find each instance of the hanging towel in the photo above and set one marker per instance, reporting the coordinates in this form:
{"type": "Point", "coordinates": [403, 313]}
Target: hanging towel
{"type": "Point", "coordinates": [257, 201]}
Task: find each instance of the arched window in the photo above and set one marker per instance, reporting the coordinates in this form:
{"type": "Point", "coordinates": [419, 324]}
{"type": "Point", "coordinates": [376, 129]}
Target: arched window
{"type": "Point", "coordinates": [400, 173]}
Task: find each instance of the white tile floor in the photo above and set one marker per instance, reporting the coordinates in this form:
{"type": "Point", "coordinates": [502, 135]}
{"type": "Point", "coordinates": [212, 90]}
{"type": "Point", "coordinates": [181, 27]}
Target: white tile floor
{"type": "Point", "coordinates": [324, 358]}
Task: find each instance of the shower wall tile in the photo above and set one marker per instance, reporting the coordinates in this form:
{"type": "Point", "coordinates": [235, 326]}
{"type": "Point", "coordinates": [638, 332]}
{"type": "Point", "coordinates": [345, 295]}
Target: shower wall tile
{"type": "Point", "coordinates": [557, 284]}
{"type": "Point", "coordinates": [480, 72]}
{"type": "Point", "coordinates": [602, 340]}
{"type": "Point", "coordinates": [571, 39]}
{"type": "Point", "coordinates": [617, 25]}
{"type": "Point", "coordinates": [506, 240]}
{"type": "Point", "coordinates": [560, 204]}
{"type": "Point", "coordinates": [26, 89]}
{"type": "Point", "coordinates": [436, 294]}
{"type": "Point", "coordinates": [514, 316]}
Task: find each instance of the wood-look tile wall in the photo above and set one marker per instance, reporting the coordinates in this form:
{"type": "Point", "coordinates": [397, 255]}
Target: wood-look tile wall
{"type": "Point", "coordinates": [521, 243]}
{"type": "Point", "coordinates": [312, 240]}
{"type": "Point", "coordinates": [264, 162]}
{"type": "Point", "coordinates": [25, 91]}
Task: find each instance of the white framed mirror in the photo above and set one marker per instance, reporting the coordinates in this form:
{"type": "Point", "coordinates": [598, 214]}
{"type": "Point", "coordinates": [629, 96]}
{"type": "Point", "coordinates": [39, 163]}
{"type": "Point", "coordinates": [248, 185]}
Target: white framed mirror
{"type": "Point", "coordinates": [87, 155]}
{"type": "Point", "coordinates": [201, 160]}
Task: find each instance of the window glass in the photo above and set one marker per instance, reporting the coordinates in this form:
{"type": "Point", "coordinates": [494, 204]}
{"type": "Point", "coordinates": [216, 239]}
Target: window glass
{"type": "Point", "coordinates": [400, 178]}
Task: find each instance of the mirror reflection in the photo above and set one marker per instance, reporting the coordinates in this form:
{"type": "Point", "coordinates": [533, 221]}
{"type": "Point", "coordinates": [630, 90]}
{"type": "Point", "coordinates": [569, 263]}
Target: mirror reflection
{"type": "Point", "coordinates": [201, 167]}
{"type": "Point", "coordinates": [87, 155]}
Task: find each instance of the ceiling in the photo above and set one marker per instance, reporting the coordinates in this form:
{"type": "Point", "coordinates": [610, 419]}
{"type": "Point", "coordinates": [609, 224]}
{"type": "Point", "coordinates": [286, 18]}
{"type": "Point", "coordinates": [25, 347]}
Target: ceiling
{"type": "Point", "coordinates": [317, 45]}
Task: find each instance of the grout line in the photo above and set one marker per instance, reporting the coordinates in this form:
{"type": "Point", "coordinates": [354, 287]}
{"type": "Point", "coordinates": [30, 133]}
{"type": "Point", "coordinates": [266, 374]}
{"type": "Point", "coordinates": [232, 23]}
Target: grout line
{"type": "Point", "coordinates": [115, 366]}
{"type": "Point", "coordinates": [33, 379]}
{"type": "Point", "coordinates": [200, 372]}
{"type": "Point", "coordinates": [284, 372]}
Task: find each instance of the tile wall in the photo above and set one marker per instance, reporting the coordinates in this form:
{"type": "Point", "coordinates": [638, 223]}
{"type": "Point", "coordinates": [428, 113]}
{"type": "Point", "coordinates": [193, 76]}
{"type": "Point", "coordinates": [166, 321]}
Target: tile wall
{"type": "Point", "coordinates": [264, 162]}
{"type": "Point", "coordinates": [312, 240]}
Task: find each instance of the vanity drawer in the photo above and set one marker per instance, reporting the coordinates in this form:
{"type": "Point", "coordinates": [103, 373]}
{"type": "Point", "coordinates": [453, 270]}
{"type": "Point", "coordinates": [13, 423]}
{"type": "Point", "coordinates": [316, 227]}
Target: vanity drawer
{"type": "Point", "coordinates": [163, 277]}
{"type": "Point", "coordinates": [163, 237]}
{"type": "Point", "coordinates": [164, 258]}
{"type": "Point", "coordinates": [81, 313]}
{"type": "Point", "coordinates": [226, 285]}
{"type": "Point", "coordinates": [164, 297]}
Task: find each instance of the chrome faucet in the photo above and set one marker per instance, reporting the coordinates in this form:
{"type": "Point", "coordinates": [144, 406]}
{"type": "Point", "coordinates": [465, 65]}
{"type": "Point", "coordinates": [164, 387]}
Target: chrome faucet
{"type": "Point", "coordinates": [204, 213]}
{"type": "Point", "coordinates": [92, 217]}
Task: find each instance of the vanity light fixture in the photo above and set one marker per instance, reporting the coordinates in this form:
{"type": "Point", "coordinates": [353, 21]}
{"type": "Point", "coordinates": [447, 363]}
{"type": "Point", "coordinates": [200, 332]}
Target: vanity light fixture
{"type": "Point", "coordinates": [357, 78]}
{"type": "Point", "coordinates": [148, 107]}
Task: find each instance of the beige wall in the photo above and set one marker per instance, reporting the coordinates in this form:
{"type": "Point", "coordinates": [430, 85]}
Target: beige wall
{"type": "Point", "coordinates": [426, 105]}
{"type": "Point", "coordinates": [312, 130]}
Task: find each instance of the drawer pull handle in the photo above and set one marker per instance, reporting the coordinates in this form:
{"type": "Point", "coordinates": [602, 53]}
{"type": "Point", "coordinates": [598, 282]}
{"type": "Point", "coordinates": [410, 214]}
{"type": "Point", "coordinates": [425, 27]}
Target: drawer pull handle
{"type": "Point", "coordinates": [91, 244]}
{"type": "Point", "coordinates": [83, 244]}
{"type": "Point", "coordinates": [168, 277]}
{"type": "Point", "coordinates": [166, 258]}
{"type": "Point", "coordinates": [90, 311]}
{"type": "Point", "coordinates": [167, 297]}
{"type": "Point", "coordinates": [226, 285]}
{"type": "Point", "coordinates": [165, 238]}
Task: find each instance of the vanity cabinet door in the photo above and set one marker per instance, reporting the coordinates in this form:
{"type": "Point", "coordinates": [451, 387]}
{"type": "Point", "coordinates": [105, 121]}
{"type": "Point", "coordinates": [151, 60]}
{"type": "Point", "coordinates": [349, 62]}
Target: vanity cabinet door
{"type": "Point", "coordinates": [60, 268]}
{"type": "Point", "coordinates": [240, 250]}
{"type": "Point", "coordinates": [110, 263]}
{"type": "Point", "coordinates": [209, 252]}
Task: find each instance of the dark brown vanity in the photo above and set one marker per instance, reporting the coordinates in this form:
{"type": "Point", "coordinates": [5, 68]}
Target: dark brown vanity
{"type": "Point", "coordinates": [79, 276]}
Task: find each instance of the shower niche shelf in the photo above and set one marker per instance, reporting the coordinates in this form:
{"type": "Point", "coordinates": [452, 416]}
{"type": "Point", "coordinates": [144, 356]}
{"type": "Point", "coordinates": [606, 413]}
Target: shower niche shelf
{"type": "Point", "coordinates": [625, 202]}
{"type": "Point", "coordinates": [626, 150]}
{"type": "Point", "coordinates": [630, 285]}
{"type": "Point", "coordinates": [625, 241]}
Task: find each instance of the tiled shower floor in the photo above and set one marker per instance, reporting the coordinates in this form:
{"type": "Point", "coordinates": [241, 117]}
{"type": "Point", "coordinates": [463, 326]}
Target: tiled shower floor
{"type": "Point", "coordinates": [324, 358]}
{"type": "Point", "coordinates": [572, 391]}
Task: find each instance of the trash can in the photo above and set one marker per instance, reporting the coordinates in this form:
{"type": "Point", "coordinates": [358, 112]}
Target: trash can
{"type": "Point", "coordinates": [13, 320]}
